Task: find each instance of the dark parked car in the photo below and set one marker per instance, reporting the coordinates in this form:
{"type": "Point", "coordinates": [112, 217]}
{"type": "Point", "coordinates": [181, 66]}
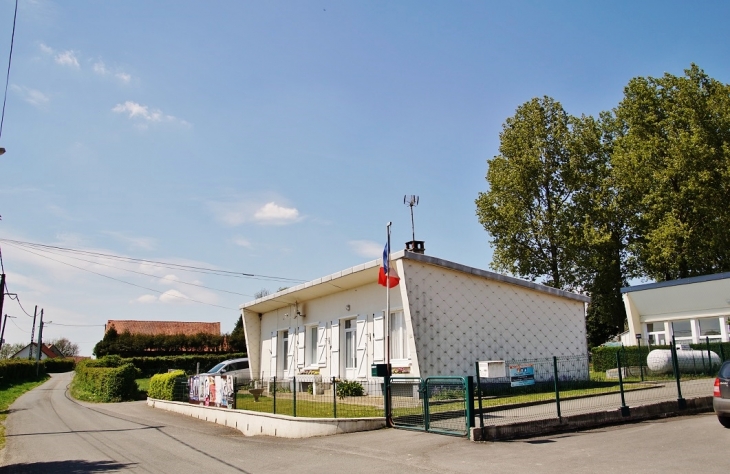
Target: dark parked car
{"type": "Point", "coordinates": [721, 395]}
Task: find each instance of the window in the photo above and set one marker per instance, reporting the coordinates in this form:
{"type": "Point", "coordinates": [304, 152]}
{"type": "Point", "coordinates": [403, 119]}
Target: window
{"type": "Point", "coordinates": [398, 336]}
{"type": "Point", "coordinates": [710, 327]}
{"type": "Point", "coordinates": [681, 329]}
{"type": "Point", "coordinates": [350, 354]}
{"type": "Point", "coordinates": [313, 345]}
{"type": "Point", "coordinates": [285, 347]}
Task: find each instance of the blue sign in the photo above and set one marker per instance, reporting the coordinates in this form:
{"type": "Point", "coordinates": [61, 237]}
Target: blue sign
{"type": "Point", "coordinates": [521, 375]}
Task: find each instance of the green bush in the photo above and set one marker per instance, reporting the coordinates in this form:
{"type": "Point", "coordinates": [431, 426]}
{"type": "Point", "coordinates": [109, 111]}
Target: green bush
{"type": "Point", "coordinates": [167, 386]}
{"type": "Point", "coordinates": [131, 345]}
{"type": "Point", "coordinates": [150, 366]}
{"type": "Point", "coordinates": [19, 370]}
{"type": "Point", "coordinates": [56, 366]}
{"type": "Point", "coordinates": [106, 379]}
{"type": "Point", "coordinates": [350, 388]}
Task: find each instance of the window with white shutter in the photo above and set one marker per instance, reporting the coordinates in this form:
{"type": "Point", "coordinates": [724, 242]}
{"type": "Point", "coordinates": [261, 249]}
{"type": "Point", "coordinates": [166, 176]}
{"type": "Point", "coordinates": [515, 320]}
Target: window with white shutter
{"type": "Point", "coordinates": [335, 349]}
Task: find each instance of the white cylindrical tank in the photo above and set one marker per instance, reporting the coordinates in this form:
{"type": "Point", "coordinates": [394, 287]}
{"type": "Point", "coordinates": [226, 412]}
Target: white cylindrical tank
{"type": "Point", "coordinates": [692, 361]}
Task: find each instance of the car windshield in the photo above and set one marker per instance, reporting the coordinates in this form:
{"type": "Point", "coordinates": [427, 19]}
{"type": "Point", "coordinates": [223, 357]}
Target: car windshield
{"type": "Point", "coordinates": [217, 368]}
{"type": "Point", "coordinates": [725, 371]}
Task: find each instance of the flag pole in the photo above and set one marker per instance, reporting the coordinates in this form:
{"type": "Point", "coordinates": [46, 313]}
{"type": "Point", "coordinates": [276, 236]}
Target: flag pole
{"type": "Point", "coordinates": [386, 404]}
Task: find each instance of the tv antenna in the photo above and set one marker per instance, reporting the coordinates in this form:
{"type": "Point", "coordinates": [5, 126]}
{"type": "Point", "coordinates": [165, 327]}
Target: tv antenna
{"type": "Point", "coordinates": [411, 201]}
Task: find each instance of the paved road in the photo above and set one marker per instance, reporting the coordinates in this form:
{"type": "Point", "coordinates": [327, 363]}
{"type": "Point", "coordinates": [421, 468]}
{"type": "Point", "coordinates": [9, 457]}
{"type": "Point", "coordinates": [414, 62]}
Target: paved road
{"type": "Point", "coordinates": [48, 433]}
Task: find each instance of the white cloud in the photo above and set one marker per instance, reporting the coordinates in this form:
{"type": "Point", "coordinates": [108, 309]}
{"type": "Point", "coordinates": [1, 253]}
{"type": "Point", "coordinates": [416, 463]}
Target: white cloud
{"type": "Point", "coordinates": [242, 242]}
{"type": "Point", "coordinates": [145, 299]}
{"type": "Point", "coordinates": [124, 77]}
{"type": "Point", "coordinates": [67, 58]}
{"type": "Point", "coordinates": [32, 96]}
{"type": "Point", "coordinates": [169, 279]}
{"type": "Point", "coordinates": [173, 296]}
{"type": "Point", "coordinates": [143, 112]}
{"type": "Point", "coordinates": [272, 213]}
{"type": "Point", "coordinates": [144, 243]}
{"type": "Point", "coordinates": [100, 68]}
{"type": "Point", "coordinates": [46, 49]}
{"type": "Point", "coordinates": [366, 248]}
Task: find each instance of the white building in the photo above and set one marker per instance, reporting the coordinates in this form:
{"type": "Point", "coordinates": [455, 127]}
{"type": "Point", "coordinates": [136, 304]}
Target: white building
{"type": "Point", "coordinates": [444, 317]}
{"type": "Point", "coordinates": [691, 309]}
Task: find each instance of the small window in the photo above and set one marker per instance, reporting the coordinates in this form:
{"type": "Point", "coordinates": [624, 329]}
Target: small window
{"type": "Point", "coordinates": [313, 345]}
{"type": "Point", "coordinates": [710, 327]}
{"type": "Point", "coordinates": [682, 328]}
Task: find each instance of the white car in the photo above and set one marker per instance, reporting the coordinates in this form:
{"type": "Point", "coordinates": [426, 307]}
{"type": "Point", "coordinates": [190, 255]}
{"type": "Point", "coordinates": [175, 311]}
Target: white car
{"type": "Point", "coordinates": [236, 367]}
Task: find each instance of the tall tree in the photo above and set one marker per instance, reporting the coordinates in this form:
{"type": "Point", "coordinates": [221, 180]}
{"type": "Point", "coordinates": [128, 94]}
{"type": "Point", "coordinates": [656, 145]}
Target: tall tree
{"type": "Point", "coordinates": [237, 339]}
{"type": "Point", "coordinates": [67, 348]}
{"type": "Point", "coordinates": [10, 349]}
{"type": "Point", "coordinates": [672, 167]}
{"type": "Point", "coordinates": [528, 209]}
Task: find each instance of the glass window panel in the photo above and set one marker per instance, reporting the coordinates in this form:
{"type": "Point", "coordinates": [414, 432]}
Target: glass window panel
{"type": "Point", "coordinates": [349, 349]}
{"type": "Point", "coordinates": [710, 327]}
{"type": "Point", "coordinates": [313, 345]}
{"type": "Point", "coordinates": [682, 328]}
{"type": "Point", "coordinates": [285, 340]}
{"type": "Point", "coordinates": [655, 327]}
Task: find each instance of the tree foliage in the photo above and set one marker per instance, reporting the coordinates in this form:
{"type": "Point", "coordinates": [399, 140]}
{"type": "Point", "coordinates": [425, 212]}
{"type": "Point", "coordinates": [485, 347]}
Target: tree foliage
{"type": "Point", "coordinates": [237, 340]}
{"type": "Point", "coordinates": [130, 345]}
{"type": "Point", "coordinates": [9, 349]}
{"type": "Point", "coordinates": [583, 204]}
{"type": "Point", "coordinates": [67, 348]}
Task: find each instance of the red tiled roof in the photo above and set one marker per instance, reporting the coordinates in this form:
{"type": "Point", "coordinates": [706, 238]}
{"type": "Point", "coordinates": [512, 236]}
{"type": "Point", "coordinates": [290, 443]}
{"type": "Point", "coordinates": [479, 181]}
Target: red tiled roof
{"type": "Point", "coordinates": [163, 327]}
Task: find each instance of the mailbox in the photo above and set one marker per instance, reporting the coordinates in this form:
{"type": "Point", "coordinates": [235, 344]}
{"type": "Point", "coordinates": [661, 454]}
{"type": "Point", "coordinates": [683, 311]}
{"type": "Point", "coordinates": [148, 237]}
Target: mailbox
{"type": "Point", "coordinates": [379, 370]}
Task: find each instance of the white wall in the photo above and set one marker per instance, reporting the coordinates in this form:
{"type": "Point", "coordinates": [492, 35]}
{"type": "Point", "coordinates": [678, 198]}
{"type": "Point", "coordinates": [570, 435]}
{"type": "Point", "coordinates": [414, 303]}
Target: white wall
{"type": "Point", "coordinates": [460, 318]}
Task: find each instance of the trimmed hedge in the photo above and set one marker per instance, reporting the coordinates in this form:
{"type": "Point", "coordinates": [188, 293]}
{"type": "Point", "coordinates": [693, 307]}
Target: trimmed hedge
{"type": "Point", "coordinates": [604, 357]}
{"type": "Point", "coordinates": [140, 345]}
{"type": "Point", "coordinates": [107, 379]}
{"type": "Point", "coordinates": [150, 366]}
{"type": "Point", "coordinates": [167, 386]}
{"type": "Point", "coordinates": [21, 370]}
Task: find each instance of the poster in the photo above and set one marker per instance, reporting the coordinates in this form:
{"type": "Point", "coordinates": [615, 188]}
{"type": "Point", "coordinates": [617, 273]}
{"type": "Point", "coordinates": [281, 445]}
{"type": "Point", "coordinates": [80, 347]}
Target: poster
{"type": "Point", "coordinates": [212, 390]}
{"type": "Point", "coordinates": [521, 375]}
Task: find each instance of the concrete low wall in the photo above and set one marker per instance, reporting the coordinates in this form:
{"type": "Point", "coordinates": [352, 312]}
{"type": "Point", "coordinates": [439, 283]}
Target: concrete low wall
{"type": "Point", "coordinates": [590, 420]}
{"type": "Point", "coordinates": [252, 423]}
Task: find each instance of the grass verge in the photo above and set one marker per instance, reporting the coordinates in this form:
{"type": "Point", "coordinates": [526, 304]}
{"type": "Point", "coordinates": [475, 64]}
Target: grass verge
{"type": "Point", "coordinates": [8, 394]}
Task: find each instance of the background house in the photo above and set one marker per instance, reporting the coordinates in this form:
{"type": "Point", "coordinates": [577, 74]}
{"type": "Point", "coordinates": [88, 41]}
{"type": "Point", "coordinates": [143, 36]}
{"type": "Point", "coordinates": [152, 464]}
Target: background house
{"type": "Point", "coordinates": [48, 351]}
{"type": "Point", "coordinates": [444, 317]}
{"type": "Point", "coordinates": [691, 309]}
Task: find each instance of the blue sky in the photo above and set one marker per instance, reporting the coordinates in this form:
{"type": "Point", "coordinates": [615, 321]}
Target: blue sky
{"type": "Point", "coordinates": [278, 138]}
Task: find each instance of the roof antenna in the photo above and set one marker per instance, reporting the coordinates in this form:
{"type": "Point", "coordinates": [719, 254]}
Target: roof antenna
{"type": "Point", "coordinates": [414, 245]}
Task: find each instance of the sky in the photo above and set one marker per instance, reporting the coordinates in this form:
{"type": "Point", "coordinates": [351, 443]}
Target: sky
{"type": "Point", "coordinates": [278, 138]}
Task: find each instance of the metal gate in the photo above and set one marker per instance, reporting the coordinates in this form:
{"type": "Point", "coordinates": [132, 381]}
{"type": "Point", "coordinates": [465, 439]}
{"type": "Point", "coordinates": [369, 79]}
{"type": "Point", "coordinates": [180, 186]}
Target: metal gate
{"type": "Point", "coordinates": [434, 404]}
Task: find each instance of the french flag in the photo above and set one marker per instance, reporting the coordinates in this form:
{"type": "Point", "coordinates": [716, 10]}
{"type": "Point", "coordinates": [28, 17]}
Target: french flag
{"type": "Point", "coordinates": [384, 276]}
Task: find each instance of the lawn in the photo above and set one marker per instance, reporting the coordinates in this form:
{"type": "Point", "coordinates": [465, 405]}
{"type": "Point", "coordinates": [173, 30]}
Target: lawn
{"type": "Point", "coordinates": [143, 385]}
{"type": "Point", "coordinates": [319, 408]}
{"type": "Point", "coordinates": [8, 394]}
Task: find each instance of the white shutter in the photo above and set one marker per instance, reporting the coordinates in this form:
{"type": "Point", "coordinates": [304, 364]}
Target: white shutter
{"type": "Point", "coordinates": [290, 353]}
{"type": "Point", "coordinates": [335, 349]}
{"type": "Point", "coordinates": [322, 344]}
{"type": "Point", "coordinates": [301, 336]}
{"type": "Point", "coordinates": [362, 339]}
{"type": "Point", "coordinates": [379, 338]}
{"type": "Point", "coordinates": [273, 348]}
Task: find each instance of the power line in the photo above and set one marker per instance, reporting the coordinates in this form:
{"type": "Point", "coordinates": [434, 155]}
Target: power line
{"type": "Point", "coordinates": [140, 273]}
{"type": "Point", "coordinates": [177, 266]}
{"type": "Point", "coordinates": [126, 282]}
{"type": "Point", "coordinates": [75, 325]}
{"type": "Point", "coordinates": [7, 76]}
{"type": "Point", "coordinates": [16, 325]}
{"type": "Point", "coordinates": [16, 298]}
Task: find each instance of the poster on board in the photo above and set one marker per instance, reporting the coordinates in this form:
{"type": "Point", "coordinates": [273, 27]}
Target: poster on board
{"type": "Point", "coordinates": [212, 390]}
{"type": "Point", "coordinates": [521, 375]}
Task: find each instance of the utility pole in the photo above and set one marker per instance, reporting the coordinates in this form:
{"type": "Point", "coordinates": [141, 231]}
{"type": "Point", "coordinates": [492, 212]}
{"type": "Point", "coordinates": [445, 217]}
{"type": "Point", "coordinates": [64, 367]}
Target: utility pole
{"type": "Point", "coordinates": [2, 294]}
{"type": "Point", "coordinates": [2, 333]}
{"type": "Point", "coordinates": [32, 334]}
{"type": "Point", "coordinates": [40, 340]}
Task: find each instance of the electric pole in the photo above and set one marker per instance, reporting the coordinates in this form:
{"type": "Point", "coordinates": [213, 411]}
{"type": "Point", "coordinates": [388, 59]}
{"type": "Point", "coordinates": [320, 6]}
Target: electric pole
{"type": "Point", "coordinates": [32, 334]}
{"type": "Point", "coordinates": [2, 294]}
{"type": "Point", "coordinates": [40, 340]}
{"type": "Point", "coordinates": [2, 333]}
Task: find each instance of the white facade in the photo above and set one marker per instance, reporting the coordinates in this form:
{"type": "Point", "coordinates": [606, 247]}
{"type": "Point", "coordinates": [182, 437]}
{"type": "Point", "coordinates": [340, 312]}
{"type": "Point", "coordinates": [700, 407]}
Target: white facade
{"type": "Point", "coordinates": [690, 309]}
{"type": "Point", "coordinates": [444, 317]}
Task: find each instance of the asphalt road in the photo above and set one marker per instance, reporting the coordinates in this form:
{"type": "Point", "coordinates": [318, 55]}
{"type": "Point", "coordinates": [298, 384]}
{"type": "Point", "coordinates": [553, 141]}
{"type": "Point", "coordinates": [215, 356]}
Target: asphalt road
{"type": "Point", "coordinates": [48, 432]}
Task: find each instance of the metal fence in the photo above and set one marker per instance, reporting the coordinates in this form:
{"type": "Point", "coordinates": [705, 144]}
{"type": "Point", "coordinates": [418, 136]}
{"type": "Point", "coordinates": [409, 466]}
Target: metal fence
{"type": "Point", "coordinates": [313, 397]}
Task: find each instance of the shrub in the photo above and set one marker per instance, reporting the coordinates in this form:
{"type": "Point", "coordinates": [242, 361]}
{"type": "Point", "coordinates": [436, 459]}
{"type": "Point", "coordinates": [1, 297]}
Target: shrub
{"type": "Point", "coordinates": [168, 386]}
{"type": "Point", "coordinates": [18, 370]}
{"type": "Point", "coordinates": [106, 379]}
{"type": "Point", "coordinates": [150, 366]}
{"type": "Point", "coordinates": [350, 388]}
{"type": "Point", "coordinates": [55, 366]}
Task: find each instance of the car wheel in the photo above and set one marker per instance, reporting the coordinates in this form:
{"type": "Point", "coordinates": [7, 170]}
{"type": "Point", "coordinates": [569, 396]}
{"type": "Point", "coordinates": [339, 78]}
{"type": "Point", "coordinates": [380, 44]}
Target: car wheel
{"type": "Point", "coordinates": [724, 421]}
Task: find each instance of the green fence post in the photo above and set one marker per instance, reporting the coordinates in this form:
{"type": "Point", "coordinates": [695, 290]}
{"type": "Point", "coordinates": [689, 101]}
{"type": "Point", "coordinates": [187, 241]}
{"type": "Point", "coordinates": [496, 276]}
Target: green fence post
{"type": "Point", "coordinates": [334, 397]}
{"type": "Point", "coordinates": [641, 361]}
{"type": "Point", "coordinates": [294, 393]}
{"type": "Point", "coordinates": [625, 411]}
{"type": "Point", "coordinates": [709, 356]}
{"type": "Point", "coordinates": [479, 395]}
{"type": "Point", "coordinates": [426, 420]}
{"type": "Point", "coordinates": [274, 394]}
{"type": "Point", "coordinates": [469, 403]}
{"type": "Point", "coordinates": [681, 402]}
{"type": "Point", "coordinates": [557, 386]}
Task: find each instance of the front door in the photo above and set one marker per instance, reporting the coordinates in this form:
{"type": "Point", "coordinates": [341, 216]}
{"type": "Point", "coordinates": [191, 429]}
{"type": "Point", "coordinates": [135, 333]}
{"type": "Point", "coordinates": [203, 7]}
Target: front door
{"type": "Point", "coordinates": [350, 349]}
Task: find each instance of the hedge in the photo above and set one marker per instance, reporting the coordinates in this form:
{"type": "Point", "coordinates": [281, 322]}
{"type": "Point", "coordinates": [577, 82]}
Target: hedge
{"type": "Point", "coordinates": [107, 379]}
{"type": "Point", "coordinates": [150, 366]}
{"type": "Point", "coordinates": [604, 357]}
{"type": "Point", "coordinates": [20, 370]}
{"type": "Point", "coordinates": [167, 386]}
{"type": "Point", "coordinates": [140, 345]}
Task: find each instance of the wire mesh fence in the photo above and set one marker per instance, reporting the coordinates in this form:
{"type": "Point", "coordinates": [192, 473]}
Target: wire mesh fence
{"type": "Point", "coordinates": [313, 397]}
